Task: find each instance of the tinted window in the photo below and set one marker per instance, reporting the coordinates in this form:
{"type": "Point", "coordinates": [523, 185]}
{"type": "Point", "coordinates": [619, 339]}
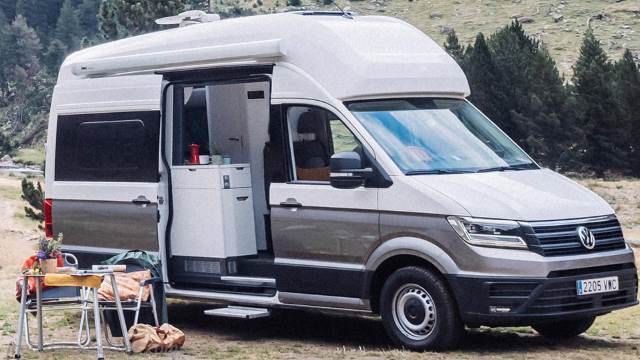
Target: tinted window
{"type": "Point", "coordinates": [108, 147]}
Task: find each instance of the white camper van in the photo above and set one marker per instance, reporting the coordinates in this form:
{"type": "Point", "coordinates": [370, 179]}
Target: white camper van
{"type": "Point", "coordinates": [328, 161]}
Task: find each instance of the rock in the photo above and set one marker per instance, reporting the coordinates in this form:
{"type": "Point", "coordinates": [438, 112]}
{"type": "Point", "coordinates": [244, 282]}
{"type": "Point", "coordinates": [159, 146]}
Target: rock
{"type": "Point", "coordinates": [515, 16]}
{"type": "Point", "coordinates": [612, 45]}
{"type": "Point", "coordinates": [625, 27]}
{"type": "Point", "coordinates": [6, 158]}
{"type": "Point", "coordinates": [557, 17]}
{"type": "Point", "coordinates": [526, 20]}
{"type": "Point", "coordinates": [617, 35]}
{"type": "Point", "coordinates": [435, 15]}
{"type": "Point", "coordinates": [446, 29]}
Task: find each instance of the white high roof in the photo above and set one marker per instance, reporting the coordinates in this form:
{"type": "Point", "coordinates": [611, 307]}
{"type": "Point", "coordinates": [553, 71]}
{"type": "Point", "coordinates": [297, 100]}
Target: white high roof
{"type": "Point", "coordinates": [347, 57]}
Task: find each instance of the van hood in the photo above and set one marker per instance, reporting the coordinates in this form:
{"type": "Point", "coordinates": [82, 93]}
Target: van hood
{"type": "Point", "coordinates": [525, 195]}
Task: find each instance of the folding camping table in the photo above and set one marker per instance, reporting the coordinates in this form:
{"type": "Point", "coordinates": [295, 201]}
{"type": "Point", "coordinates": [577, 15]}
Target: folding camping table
{"type": "Point", "coordinates": [83, 306]}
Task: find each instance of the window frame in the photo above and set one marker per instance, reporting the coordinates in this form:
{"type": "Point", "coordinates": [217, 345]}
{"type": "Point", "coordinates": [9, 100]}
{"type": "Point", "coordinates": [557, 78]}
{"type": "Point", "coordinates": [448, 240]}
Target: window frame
{"type": "Point", "coordinates": [291, 164]}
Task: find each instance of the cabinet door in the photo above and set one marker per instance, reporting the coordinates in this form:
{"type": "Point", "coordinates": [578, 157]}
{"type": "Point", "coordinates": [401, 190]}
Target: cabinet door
{"type": "Point", "coordinates": [239, 228]}
{"type": "Point", "coordinates": [197, 225]}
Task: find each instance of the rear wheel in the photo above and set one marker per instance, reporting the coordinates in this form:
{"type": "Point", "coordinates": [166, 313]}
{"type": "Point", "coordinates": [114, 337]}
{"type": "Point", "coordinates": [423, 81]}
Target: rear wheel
{"type": "Point", "coordinates": [418, 311]}
{"type": "Point", "coordinates": [564, 329]}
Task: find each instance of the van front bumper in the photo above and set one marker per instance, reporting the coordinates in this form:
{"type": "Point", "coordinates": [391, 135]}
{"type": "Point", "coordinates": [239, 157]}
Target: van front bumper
{"type": "Point", "coordinates": [520, 301]}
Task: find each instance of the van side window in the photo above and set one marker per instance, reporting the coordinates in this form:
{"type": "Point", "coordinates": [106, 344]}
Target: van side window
{"type": "Point", "coordinates": [107, 147]}
{"type": "Point", "coordinates": [315, 135]}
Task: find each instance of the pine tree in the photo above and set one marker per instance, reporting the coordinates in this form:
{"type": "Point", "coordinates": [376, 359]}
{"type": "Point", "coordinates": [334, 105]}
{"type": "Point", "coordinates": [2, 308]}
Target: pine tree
{"type": "Point", "coordinates": [34, 196]}
{"type": "Point", "coordinates": [88, 17]}
{"type": "Point", "coordinates": [598, 115]}
{"type": "Point", "coordinates": [41, 15]}
{"type": "Point", "coordinates": [20, 47]}
{"type": "Point", "coordinates": [54, 55]}
{"type": "Point", "coordinates": [627, 92]}
{"type": "Point", "coordinates": [535, 95]}
{"type": "Point", "coordinates": [107, 23]}
{"type": "Point", "coordinates": [453, 47]}
{"type": "Point", "coordinates": [121, 18]}
{"type": "Point", "coordinates": [67, 27]}
{"type": "Point", "coordinates": [485, 82]}
{"type": "Point", "coordinates": [8, 8]}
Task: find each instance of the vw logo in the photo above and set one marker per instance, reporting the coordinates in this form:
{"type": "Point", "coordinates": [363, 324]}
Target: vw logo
{"type": "Point", "coordinates": [586, 237]}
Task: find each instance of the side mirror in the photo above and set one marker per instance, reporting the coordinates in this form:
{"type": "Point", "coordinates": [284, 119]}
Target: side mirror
{"type": "Point", "coordinates": [347, 171]}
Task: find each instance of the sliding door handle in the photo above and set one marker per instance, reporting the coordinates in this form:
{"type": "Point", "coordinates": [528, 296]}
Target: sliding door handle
{"type": "Point", "coordinates": [291, 203]}
{"type": "Point", "coordinates": [141, 200]}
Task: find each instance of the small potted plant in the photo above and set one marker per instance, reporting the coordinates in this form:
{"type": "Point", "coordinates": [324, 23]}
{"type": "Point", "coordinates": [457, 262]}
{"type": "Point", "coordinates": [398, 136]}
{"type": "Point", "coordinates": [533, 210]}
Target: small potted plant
{"type": "Point", "coordinates": [48, 251]}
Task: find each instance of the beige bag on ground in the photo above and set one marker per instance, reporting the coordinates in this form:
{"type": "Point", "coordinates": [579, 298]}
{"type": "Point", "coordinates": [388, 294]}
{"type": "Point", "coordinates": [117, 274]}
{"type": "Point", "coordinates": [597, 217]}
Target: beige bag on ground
{"type": "Point", "coordinates": [145, 338]}
{"type": "Point", "coordinates": [128, 286]}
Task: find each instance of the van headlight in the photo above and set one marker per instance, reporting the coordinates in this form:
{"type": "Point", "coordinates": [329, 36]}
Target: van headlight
{"type": "Point", "coordinates": [488, 232]}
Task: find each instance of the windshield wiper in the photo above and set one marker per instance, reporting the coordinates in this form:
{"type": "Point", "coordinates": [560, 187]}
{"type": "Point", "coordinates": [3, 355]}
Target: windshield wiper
{"type": "Point", "coordinates": [438, 172]}
{"type": "Point", "coordinates": [526, 166]}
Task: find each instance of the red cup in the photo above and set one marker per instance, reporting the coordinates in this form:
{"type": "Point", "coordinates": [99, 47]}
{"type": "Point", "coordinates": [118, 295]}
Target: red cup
{"type": "Point", "coordinates": [194, 150]}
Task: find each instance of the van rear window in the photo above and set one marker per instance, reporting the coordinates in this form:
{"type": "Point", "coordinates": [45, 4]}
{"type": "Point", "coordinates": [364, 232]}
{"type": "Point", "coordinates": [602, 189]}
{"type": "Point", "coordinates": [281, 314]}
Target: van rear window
{"type": "Point", "coordinates": [108, 147]}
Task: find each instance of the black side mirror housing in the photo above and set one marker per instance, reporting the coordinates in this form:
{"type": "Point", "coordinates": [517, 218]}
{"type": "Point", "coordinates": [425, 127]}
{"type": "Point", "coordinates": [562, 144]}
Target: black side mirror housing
{"type": "Point", "coordinates": [347, 171]}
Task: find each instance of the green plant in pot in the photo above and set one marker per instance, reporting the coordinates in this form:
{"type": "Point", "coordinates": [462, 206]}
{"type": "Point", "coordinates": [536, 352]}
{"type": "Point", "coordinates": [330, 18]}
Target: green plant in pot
{"type": "Point", "coordinates": [48, 251]}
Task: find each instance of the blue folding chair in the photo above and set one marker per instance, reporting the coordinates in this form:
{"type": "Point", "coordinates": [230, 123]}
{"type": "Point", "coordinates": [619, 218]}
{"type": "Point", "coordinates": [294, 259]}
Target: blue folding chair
{"type": "Point", "coordinates": [58, 299]}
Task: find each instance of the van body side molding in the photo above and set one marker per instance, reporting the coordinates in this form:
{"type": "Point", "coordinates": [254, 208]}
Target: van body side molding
{"type": "Point", "coordinates": [324, 301]}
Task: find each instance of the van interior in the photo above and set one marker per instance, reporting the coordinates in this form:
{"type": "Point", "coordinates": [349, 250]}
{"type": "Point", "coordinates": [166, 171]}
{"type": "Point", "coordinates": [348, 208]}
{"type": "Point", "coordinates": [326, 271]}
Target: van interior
{"type": "Point", "coordinates": [219, 219]}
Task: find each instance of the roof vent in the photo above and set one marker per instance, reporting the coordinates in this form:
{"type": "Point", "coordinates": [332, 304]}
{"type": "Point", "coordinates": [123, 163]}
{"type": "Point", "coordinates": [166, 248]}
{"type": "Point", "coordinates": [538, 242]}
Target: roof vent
{"type": "Point", "coordinates": [187, 18]}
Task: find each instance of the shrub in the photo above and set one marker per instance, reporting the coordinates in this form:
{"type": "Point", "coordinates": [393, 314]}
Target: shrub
{"type": "Point", "coordinates": [34, 196]}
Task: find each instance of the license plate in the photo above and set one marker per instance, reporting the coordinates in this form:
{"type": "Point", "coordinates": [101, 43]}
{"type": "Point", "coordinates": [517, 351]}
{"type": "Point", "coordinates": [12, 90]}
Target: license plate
{"type": "Point", "coordinates": [596, 286]}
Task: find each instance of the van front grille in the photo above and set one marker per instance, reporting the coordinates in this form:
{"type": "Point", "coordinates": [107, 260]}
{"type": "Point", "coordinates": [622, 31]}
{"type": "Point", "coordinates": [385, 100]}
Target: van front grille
{"type": "Point", "coordinates": [555, 238]}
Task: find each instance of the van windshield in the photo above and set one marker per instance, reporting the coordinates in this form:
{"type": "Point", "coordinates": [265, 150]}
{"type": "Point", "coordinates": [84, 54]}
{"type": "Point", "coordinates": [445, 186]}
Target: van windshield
{"type": "Point", "coordinates": [439, 136]}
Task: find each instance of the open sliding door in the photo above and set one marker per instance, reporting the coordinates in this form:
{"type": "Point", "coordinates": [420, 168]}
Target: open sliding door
{"type": "Point", "coordinates": [217, 211]}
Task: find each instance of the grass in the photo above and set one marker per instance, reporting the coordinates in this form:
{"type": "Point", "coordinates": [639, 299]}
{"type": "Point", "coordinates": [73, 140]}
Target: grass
{"type": "Point", "coordinates": [615, 336]}
{"type": "Point", "coordinates": [622, 324]}
{"type": "Point", "coordinates": [10, 193]}
{"type": "Point", "coordinates": [30, 156]}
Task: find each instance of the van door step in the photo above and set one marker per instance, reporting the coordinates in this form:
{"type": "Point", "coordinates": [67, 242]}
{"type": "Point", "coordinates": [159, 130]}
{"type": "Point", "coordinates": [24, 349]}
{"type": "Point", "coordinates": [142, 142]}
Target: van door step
{"type": "Point", "coordinates": [239, 312]}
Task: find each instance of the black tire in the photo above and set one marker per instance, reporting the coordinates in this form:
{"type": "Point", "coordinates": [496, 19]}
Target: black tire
{"type": "Point", "coordinates": [564, 329]}
{"type": "Point", "coordinates": [424, 297]}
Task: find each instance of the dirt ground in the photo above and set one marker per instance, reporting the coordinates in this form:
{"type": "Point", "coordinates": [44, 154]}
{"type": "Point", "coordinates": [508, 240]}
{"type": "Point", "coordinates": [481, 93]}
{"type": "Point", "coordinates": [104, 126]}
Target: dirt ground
{"type": "Point", "coordinates": [298, 334]}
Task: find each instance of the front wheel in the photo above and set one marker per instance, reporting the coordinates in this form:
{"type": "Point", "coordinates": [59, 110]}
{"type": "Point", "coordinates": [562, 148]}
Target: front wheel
{"type": "Point", "coordinates": [564, 329]}
{"type": "Point", "coordinates": [418, 312]}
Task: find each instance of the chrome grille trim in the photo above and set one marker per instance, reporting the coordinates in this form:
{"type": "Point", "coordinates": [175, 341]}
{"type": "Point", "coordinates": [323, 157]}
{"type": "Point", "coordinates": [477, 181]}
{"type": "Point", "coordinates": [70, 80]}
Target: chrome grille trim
{"type": "Point", "coordinates": [579, 221]}
{"type": "Point", "coordinates": [560, 237]}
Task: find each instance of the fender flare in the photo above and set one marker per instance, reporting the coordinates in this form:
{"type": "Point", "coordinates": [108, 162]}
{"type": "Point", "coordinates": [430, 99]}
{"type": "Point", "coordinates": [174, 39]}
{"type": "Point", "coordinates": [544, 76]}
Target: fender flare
{"type": "Point", "coordinates": [414, 246]}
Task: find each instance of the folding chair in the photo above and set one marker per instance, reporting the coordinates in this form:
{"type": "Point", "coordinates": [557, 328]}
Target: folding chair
{"type": "Point", "coordinates": [131, 306]}
{"type": "Point", "coordinates": [61, 298]}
